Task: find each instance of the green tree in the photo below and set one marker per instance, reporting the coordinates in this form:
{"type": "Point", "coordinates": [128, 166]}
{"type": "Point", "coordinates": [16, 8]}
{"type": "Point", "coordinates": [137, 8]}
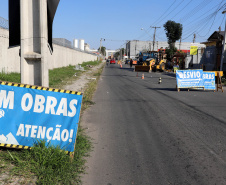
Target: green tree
{"type": "Point", "coordinates": [118, 53]}
{"type": "Point", "coordinates": [170, 52]}
{"type": "Point", "coordinates": [102, 51]}
{"type": "Point", "coordinates": [173, 32]}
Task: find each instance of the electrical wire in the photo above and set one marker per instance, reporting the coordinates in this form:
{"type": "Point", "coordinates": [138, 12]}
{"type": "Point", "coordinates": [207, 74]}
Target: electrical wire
{"type": "Point", "coordinates": [206, 21]}
{"type": "Point", "coordinates": [164, 13]}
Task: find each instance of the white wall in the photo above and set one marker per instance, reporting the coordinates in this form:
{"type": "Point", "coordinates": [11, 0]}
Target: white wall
{"type": "Point", "coordinates": [61, 57]}
{"type": "Point", "coordinates": [9, 58]}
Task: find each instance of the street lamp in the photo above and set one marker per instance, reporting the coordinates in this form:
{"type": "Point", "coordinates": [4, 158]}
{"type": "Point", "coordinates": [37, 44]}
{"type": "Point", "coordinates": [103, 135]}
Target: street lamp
{"type": "Point", "coordinates": [149, 36]}
{"type": "Point", "coordinates": [223, 46]}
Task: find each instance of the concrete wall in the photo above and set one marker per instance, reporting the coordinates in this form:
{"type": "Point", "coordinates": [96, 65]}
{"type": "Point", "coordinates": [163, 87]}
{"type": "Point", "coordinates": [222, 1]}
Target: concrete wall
{"type": "Point", "coordinates": [9, 58]}
{"type": "Point", "coordinates": [61, 57]}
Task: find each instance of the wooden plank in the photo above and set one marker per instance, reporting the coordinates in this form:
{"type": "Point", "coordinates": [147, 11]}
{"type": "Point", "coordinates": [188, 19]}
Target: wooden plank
{"type": "Point", "coordinates": [142, 68]}
{"type": "Point", "coordinates": [216, 72]}
{"type": "Point", "coordinates": [219, 83]}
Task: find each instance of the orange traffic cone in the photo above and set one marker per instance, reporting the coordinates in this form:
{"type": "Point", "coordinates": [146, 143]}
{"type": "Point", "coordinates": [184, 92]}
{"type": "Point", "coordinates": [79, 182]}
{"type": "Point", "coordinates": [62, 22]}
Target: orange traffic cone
{"type": "Point", "coordinates": [120, 65]}
{"type": "Point", "coordinates": [142, 76]}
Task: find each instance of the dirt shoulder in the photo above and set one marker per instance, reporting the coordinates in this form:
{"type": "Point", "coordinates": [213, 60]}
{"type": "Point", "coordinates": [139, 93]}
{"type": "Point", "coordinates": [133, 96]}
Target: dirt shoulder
{"type": "Point", "coordinates": [80, 84]}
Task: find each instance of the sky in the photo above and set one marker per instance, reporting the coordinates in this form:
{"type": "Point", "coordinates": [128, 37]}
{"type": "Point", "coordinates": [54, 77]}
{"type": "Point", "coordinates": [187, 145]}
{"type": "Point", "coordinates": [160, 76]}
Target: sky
{"type": "Point", "coordinates": [119, 21]}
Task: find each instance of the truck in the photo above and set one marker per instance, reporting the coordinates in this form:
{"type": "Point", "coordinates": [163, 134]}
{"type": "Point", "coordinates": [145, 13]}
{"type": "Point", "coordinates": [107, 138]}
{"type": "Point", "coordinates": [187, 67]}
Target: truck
{"type": "Point", "coordinates": [151, 61]}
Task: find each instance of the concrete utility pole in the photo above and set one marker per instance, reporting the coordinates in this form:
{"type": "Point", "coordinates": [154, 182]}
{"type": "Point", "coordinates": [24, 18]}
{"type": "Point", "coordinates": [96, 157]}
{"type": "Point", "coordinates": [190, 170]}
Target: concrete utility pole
{"type": "Point", "coordinates": [223, 45]}
{"type": "Point", "coordinates": [101, 44]}
{"type": "Point", "coordinates": [127, 48]}
{"type": "Point", "coordinates": [180, 44]}
{"type": "Point", "coordinates": [34, 42]}
{"type": "Point", "coordinates": [136, 48]}
{"type": "Point", "coordinates": [194, 38]}
{"type": "Point", "coordinates": [154, 36]}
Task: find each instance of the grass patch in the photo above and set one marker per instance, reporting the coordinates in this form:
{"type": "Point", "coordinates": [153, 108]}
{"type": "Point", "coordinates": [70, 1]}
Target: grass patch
{"type": "Point", "coordinates": [91, 63]}
{"type": "Point", "coordinates": [11, 77]}
{"type": "Point", "coordinates": [58, 77]}
{"type": "Point", "coordinates": [61, 76]}
{"type": "Point", "coordinates": [90, 89]}
{"type": "Point", "coordinates": [49, 165]}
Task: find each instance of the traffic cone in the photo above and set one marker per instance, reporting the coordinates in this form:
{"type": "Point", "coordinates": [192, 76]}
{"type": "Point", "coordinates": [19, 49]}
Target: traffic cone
{"type": "Point", "coordinates": [160, 80]}
{"type": "Point", "coordinates": [142, 76]}
{"type": "Point", "coordinates": [137, 74]}
{"type": "Point", "coordinates": [120, 65]}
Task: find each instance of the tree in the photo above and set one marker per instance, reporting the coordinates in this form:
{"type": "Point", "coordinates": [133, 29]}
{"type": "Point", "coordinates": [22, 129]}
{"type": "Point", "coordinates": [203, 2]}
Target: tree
{"type": "Point", "coordinates": [119, 53]}
{"type": "Point", "coordinates": [102, 51]}
{"type": "Point", "coordinates": [173, 32]}
{"type": "Point", "coordinates": [170, 52]}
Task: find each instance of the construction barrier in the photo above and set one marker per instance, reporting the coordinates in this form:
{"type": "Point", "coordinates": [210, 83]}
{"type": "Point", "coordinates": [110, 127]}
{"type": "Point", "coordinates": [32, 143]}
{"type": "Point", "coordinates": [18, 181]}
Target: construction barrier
{"type": "Point", "coordinates": [29, 113]}
{"type": "Point", "coordinates": [142, 68]}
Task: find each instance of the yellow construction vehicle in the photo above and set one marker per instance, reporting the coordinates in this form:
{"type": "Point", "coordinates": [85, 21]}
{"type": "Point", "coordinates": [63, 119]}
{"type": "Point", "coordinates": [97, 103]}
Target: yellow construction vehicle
{"type": "Point", "coordinates": [154, 63]}
{"type": "Point", "coordinates": [159, 66]}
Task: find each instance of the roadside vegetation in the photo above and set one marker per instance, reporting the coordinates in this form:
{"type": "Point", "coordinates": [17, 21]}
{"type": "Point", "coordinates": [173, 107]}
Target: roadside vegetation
{"type": "Point", "coordinates": [62, 76]}
{"type": "Point", "coordinates": [12, 77]}
{"type": "Point", "coordinates": [50, 165]}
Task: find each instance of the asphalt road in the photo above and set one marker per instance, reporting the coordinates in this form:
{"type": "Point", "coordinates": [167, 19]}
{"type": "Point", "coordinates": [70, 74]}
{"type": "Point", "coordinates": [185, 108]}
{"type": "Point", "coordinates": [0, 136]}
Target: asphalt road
{"type": "Point", "coordinates": [148, 133]}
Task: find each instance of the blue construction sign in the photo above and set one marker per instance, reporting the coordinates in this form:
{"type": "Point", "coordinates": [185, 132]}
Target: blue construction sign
{"type": "Point", "coordinates": [32, 113]}
{"type": "Point", "coordinates": [189, 78]}
{"type": "Point", "coordinates": [209, 80]}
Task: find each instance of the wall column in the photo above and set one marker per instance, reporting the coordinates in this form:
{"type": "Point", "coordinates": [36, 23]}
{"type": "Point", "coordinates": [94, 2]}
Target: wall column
{"type": "Point", "coordinates": [34, 42]}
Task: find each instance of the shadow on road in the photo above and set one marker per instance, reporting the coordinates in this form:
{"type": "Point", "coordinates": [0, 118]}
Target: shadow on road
{"type": "Point", "coordinates": [170, 74]}
{"type": "Point", "coordinates": [163, 89]}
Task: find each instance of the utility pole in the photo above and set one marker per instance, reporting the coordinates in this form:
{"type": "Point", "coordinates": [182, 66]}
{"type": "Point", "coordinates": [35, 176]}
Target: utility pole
{"type": "Point", "coordinates": [154, 36]}
{"type": "Point", "coordinates": [121, 54]}
{"type": "Point", "coordinates": [194, 38]}
{"type": "Point", "coordinates": [223, 46]}
{"type": "Point", "coordinates": [101, 44]}
{"type": "Point", "coordinates": [135, 48]}
{"type": "Point", "coordinates": [180, 44]}
{"type": "Point", "coordinates": [127, 49]}
{"type": "Point", "coordinates": [219, 28]}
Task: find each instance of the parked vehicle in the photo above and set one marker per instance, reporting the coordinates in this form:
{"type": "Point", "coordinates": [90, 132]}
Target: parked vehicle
{"type": "Point", "coordinates": [112, 61]}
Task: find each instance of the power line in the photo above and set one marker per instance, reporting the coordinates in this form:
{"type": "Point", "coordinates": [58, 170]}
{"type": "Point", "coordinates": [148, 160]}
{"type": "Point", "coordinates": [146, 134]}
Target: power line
{"type": "Point", "coordinates": [171, 11]}
{"type": "Point", "coordinates": [157, 19]}
{"type": "Point", "coordinates": [199, 26]}
{"type": "Point", "coordinates": [164, 13]}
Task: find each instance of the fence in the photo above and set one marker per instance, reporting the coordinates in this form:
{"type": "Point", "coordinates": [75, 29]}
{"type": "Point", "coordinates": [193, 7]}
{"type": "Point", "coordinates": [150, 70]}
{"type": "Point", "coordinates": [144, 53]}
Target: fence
{"type": "Point", "coordinates": [4, 23]}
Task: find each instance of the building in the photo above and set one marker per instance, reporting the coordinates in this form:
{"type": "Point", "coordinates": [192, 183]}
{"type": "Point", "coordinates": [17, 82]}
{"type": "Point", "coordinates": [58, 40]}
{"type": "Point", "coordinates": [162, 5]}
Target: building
{"type": "Point", "coordinates": [213, 52]}
{"type": "Point", "coordinates": [134, 47]}
{"type": "Point", "coordinates": [87, 47]}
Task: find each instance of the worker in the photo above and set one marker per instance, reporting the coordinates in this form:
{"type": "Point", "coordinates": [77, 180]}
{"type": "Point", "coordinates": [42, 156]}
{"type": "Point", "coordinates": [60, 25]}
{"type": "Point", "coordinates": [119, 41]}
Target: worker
{"type": "Point", "coordinates": [131, 62]}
